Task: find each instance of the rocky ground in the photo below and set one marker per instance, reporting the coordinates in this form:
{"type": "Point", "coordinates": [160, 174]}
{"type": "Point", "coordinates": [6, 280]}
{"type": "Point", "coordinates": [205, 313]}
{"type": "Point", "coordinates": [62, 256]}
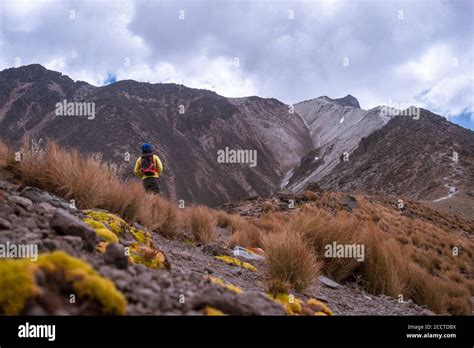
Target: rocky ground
{"type": "Point", "coordinates": [179, 284]}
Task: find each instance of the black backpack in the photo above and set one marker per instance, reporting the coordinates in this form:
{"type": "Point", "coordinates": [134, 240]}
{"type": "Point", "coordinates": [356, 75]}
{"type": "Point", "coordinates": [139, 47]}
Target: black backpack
{"type": "Point", "coordinates": [147, 165]}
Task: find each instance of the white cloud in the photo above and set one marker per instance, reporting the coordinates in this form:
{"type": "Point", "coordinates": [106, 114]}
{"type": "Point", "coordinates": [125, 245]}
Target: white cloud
{"type": "Point", "coordinates": [450, 96]}
{"type": "Point", "coordinates": [218, 74]}
{"type": "Point", "coordinates": [289, 59]}
{"type": "Point", "coordinates": [434, 63]}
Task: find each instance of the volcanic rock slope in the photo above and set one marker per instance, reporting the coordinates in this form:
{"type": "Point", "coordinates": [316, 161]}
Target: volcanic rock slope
{"type": "Point", "coordinates": [187, 126]}
{"type": "Point", "coordinates": [389, 155]}
{"type": "Point", "coordinates": [336, 126]}
{"type": "Point", "coordinates": [426, 159]}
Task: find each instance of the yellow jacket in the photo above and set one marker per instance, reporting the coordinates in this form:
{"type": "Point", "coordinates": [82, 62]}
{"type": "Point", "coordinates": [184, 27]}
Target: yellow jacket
{"type": "Point", "coordinates": [158, 165]}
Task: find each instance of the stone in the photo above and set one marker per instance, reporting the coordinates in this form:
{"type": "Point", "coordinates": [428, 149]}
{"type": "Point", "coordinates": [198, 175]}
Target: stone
{"type": "Point", "coordinates": [50, 244]}
{"type": "Point", "coordinates": [46, 208]}
{"type": "Point", "coordinates": [349, 202]}
{"type": "Point", "coordinates": [5, 225]}
{"type": "Point", "coordinates": [39, 196]}
{"type": "Point", "coordinates": [74, 241]}
{"type": "Point", "coordinates": [67, 224]}
{"type": "Point", "coordinates": [214, 249]}
{"type": "Point", "coordinates": [6, 186]}
{"type": "Point", "coordinates": [259, 304]}
{"type": "Point", "coordinates": [144, 277]}
{"type": "Point", "coordinates": [21, 201]}
{"type": "Point", "coordinates": [115, 255]}
{"type": "Point", "coordinates": [184, 255]}
{"type": "Point", "coordinates": [237, 272]}
{"type": "Point", "coordinates": [329, 283]}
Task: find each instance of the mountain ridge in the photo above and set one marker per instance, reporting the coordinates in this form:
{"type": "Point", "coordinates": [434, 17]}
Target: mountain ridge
{"type": "Point", "coordinates": [187, 126]}
{"type": "Point", "coordinates": [296, 145]}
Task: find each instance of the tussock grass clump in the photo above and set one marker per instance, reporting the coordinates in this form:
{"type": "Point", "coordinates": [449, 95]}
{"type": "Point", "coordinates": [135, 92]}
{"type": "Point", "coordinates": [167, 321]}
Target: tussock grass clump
{"type": "Point", "coordinates": [247, 235]}
{"type": "Point", "coordinates": [126, 203]}
{"type": "Point", "coordinates": [161, 216]}
{"type": "Point", "coordinates": [271, 223]}
{"type": "Point", "coordinates": [269, 207]}
{"type": "Point", "coordinates": [289, 261]}
{"type": "Point", "coordinates": [202, 221]}
{"type": "Point", "coordinates": [321, 229]}
{"type": "Point", "coordinates": [223, 219]}
{"type": "Point", "coordinates": [6, 154]}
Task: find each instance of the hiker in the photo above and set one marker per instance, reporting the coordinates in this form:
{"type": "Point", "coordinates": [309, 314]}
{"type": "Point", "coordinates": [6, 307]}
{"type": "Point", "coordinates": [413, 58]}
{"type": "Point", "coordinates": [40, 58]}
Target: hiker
{"type": "Point", "coordinates": [149, 168]}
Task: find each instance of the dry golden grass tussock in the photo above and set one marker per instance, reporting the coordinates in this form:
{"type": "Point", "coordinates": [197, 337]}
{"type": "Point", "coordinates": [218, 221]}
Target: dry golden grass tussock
{"type": "Point", "coordinates": [202, 222]}
{"type": "Point", "coordinates": [289, 260]}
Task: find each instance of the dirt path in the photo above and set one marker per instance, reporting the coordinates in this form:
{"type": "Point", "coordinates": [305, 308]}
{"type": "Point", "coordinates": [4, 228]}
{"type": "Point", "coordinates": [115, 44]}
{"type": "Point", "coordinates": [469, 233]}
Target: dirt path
{"type": "Point", "coordinates": [451, 181]}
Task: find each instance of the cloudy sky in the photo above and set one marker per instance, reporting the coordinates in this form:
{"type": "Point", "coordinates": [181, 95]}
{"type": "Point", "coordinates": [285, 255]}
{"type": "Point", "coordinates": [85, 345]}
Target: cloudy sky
{"type": "Point", "coordinates": [382, 52]}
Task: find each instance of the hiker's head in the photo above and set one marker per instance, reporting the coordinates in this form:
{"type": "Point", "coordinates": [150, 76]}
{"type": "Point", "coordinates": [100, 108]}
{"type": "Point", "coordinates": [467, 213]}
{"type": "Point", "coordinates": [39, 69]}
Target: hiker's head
{"type": "Point", "coordinates": [146, 148]}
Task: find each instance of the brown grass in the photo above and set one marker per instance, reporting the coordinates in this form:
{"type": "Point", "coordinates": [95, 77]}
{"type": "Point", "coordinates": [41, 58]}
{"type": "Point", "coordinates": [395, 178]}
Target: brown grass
{"type": "Point", "coordinates": [403, 255]}
{"type": "Point", "coordinates": [5, 154]}
{"type": "Point", "coordinates": [247, 236]}
{"type": "Point", "coordinates": [94, 184]}
{"type": "Point", "coordinates": [161, 216]}
{"type": "Point", "coordinates": [244, 232]}
{"type": "Point", "coordinates": [202, 221]}
{"type": "Point", "coordinates": [222, 218]}
{"type": "Point", "coordinates": [269, 207]}
{"type": "Point", "coordinates": [66, 173]}
{"type": "Point", "coordinates": [289, 260]}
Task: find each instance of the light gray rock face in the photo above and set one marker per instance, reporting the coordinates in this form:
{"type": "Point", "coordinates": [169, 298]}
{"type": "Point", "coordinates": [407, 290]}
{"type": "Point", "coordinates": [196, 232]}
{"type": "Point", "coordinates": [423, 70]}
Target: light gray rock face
{"type": "Point", "coordinates": [336, 127]}
{"type": "Point", "coordinates": [276, 125]}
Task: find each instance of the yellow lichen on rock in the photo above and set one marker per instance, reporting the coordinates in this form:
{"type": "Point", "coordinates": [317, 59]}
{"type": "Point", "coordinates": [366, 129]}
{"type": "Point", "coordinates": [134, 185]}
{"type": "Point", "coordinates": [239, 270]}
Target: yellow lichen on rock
{"type": "Point", "coordinates": [109, 227]}
{"type": "Point", "coordinates": [101, 230]}
{"type": "Point", "coordinates": [16, 285]}
{"type": "Point", "coordinates": [147, 256]}
{"type": "Point", "coordinates": [292, 305]}
{"type": "Point", "coordinates": [319, 307]}
{"type": "Point", "coordinates": [236, 262]}
{"type": "Point", "coordinates": [17, 282]}
{"type": "Point", "coordinates": [101, 246]}
{"type": "Point", "coordinates": [211, 311]}
{"type": "Point", "coordinates": [219, 281]}
{"type": "Point", "coordinates": [141, 236]}
{"type": "Point", "coordinates": [111, 221]}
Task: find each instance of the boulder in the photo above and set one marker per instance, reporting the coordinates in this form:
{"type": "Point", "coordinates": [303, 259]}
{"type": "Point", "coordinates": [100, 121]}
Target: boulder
{"type": "Point", "coordinates": [349, 202]}
{"type": "Point", "coordinates": [115, 255]}
{"type": "Point", "coordinates": [22, 201]}
{"type": "Point", "coordinates": [215, 249]}
{"type": "Point", "coordinates": [67, 224]}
